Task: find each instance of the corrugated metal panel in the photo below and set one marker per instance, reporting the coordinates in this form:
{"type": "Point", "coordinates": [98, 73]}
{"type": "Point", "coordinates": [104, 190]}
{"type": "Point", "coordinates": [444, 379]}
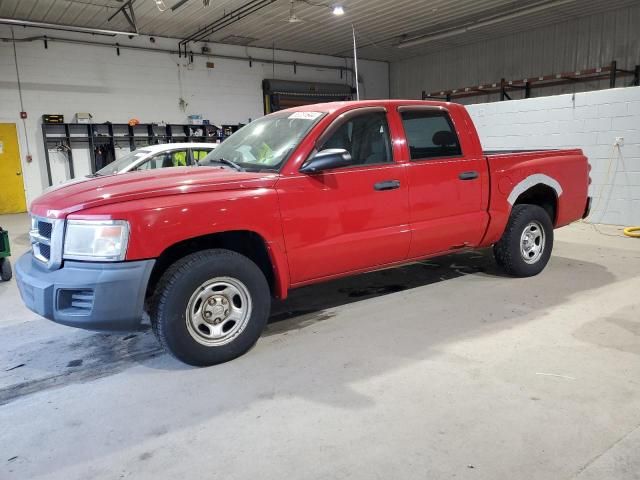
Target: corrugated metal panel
{"type": "Point", "coordinates": [380, 24]}
{"type": "Point", "coordinates": [572, 45]}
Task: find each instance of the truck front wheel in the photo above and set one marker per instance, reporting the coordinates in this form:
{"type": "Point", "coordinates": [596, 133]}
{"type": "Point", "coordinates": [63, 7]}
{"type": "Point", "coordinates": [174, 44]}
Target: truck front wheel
{"type": "Point", "coordinates": [526, 244]}
{"type": "Point", "coordinates": [210, 307]}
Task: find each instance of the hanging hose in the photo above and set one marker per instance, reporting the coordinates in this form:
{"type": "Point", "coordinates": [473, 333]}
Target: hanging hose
{"type": "Point", "coordinates": [633, 232]}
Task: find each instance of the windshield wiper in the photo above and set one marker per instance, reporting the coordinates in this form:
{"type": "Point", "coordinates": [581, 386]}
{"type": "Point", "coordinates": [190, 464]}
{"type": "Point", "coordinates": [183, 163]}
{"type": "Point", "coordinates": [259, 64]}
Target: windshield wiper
{"type": "Point", "coordinates": [224, 161]}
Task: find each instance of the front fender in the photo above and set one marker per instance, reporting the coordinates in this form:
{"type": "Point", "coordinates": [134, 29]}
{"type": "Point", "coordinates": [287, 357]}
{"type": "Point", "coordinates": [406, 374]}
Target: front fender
{"type": "Point", "coordinates": [161, 222]}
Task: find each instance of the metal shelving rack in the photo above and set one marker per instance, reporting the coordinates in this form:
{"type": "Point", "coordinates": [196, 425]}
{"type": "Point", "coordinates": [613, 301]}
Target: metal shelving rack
{"type": "Point", "coordinates": [66, 136]}
{"type": "Point", "coordinates": [503, 87]}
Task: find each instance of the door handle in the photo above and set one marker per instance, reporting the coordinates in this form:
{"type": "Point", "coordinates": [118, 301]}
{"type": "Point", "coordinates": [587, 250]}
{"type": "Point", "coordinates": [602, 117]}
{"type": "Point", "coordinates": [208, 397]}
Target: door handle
{"type": "Point", "coordinates": [387, 185]}
{"type": "Point", "coordinates": [468, 175]}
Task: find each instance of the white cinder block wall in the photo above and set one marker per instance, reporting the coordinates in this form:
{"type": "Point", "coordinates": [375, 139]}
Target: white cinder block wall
{"type": "Point", "coordinates": [68, 78]}
{"type": "Point", "coordinates": [591, 121]}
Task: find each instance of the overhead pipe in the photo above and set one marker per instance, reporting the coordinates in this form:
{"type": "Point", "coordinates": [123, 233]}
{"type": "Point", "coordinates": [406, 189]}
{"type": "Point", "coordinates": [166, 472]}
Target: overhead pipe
{"type": "Point", "coordinates": [226, 20]}
{"type": "Point", "coordinates": [175, 52]}
{"type": "Point", "coordinates": [66, 28]}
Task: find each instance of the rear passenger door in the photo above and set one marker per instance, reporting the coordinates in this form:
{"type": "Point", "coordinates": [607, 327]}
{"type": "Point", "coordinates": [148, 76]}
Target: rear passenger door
{"type": "Point", "coordinates": [445, 183]}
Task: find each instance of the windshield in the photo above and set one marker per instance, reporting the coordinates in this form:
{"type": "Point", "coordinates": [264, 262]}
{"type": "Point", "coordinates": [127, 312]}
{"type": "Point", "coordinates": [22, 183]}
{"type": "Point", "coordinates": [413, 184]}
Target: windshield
{"type": "Point", "coordinates": [122, 162]}
{"type": "Point", "coordinates": [265, 144]}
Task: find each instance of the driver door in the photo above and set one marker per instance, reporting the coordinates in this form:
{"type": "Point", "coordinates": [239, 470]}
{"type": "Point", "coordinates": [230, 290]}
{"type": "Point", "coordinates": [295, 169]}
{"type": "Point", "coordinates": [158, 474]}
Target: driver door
{"type": "Point", "coordinates": [351, 218]}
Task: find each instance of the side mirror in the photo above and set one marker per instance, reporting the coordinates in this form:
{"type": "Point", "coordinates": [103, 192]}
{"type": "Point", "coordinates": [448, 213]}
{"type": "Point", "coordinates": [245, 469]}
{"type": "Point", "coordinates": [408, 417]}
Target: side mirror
{"type": "Point", "coordinates": [326, 160]}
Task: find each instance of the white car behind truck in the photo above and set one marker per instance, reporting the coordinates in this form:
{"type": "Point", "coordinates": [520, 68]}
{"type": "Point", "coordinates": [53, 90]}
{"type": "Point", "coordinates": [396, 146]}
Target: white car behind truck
{"type": "Point", "coordinates": [158, 156]}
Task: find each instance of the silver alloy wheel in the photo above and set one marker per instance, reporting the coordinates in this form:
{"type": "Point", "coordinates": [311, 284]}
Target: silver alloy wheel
{"type": "Point", "coordinates": [218, 311]}
{"type": "Point", "coordinates": [532, 242]}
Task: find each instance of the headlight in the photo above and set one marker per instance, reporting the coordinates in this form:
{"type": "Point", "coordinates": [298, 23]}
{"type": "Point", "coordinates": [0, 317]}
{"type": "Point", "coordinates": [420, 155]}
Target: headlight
{"type": "Point", "coordinates": [98, 240]}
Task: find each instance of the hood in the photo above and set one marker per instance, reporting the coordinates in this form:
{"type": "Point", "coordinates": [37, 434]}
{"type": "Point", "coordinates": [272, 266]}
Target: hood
{"type": "Point", "coordinates": [67, 183]}
{"type": "Point", "coordinates": [96, 192]}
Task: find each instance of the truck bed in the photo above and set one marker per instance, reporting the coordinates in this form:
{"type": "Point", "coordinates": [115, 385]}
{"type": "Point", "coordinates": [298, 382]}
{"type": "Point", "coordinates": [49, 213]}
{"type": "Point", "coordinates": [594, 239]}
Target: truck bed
{"type": "Point", "coordinates": [495, 157]}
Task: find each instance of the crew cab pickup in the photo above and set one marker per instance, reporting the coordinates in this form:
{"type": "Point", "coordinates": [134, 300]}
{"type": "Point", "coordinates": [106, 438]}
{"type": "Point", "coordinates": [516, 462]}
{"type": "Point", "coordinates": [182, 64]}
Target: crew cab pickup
{"type": "Point", "coordinates": [294, 198]}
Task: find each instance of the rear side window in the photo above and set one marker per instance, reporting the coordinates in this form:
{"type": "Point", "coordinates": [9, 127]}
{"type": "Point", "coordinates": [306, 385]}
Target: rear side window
{"type": "Point", "coordinates": [430, 135]}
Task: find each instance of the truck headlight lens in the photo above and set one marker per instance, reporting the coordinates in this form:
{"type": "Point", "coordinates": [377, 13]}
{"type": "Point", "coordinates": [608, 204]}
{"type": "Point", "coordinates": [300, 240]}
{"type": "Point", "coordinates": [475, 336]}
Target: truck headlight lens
{"type": "Point", "coordinates": [97, 240]}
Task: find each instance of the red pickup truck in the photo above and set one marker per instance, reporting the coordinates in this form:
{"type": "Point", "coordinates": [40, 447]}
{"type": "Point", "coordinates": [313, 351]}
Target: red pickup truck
{"type": "Point", "coordinates": [296, 197]}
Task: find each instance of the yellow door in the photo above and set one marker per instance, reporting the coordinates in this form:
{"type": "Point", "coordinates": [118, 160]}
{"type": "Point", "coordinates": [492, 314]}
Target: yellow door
{"type": "Point", "coordinates": [12, 198]}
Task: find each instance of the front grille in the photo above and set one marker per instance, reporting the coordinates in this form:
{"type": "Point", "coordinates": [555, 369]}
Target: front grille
{"type": "Point", "coordinates": [45, 251]}
{"type": "Point", "coordinates": [45, 228]}
{"type": "Point", "coordinates": [46, 240]}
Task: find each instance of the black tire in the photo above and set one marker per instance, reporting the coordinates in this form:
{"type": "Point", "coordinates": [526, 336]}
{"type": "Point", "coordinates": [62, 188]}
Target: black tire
{"type": "Point", "coordinates": [178, 286]}
{"type": "Point", "coordinates": [6, 273]}
{"type": "Point", "coordinates": [508, 252]}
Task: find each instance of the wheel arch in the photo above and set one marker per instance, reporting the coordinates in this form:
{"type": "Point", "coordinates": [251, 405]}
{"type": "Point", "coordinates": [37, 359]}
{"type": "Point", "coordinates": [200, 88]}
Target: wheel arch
{"type": "Point", "coordinates": [245, 242]}
{"type": "Point", "coordinates": [540, 190]}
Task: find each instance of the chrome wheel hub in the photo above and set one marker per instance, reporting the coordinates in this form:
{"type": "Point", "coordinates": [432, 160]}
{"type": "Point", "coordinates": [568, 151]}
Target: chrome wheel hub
{"type": "Point", "coordinates": [218, 311]}
{"type": "Point", "coordinates": [532, 242]}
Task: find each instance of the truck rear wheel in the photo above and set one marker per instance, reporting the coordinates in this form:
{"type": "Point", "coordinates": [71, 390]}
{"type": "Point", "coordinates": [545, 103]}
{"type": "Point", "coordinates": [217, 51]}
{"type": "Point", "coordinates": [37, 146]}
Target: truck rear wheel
{"type": "Point", "coordinates": [526, 244]}
{"type": "Point", "coordinates": [210, 307]}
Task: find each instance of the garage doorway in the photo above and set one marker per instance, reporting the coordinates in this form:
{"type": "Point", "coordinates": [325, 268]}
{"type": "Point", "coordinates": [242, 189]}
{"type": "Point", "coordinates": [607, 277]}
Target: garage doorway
{"type": "Point", "coordinates": [12, 198]}
{"type": "Point", "coordinates": [281, 94]}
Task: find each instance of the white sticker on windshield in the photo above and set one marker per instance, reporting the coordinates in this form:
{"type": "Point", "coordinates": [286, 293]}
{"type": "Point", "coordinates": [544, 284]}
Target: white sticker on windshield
{"type": "Point", "coordinates": [305, 115]}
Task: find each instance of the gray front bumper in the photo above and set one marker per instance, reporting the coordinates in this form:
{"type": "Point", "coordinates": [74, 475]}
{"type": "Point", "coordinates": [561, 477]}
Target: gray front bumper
{"type": "Point", "coordinates": [95, 296]}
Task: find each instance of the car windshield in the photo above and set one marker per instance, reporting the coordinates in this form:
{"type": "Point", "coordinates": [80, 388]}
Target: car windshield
{"type": "Point", "coordinates": [264, 144]}
{"type": "Point", "coordinates": [122, 162]}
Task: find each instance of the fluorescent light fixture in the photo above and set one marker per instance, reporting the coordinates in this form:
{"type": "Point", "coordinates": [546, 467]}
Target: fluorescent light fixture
{"type": "Point", "coordinates": [178, 5]}
{"type": "Point", "coordinates": [480, 23]}
{"type": "Point", "coordinates": [338, 10]}
{"type": "Point", "coordinates": [66, 28]}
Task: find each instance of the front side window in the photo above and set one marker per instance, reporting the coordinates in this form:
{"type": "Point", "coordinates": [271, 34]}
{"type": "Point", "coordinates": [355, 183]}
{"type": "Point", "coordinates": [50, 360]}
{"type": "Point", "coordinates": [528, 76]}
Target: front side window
{"type": "Point", "coordinates": [430, 135]}
{"type": "Point", "coordinates": [365, 137]}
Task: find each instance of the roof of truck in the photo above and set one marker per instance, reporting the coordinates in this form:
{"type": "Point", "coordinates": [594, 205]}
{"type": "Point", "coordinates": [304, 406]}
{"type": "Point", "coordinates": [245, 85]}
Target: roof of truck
{"type": "Point", "coordinates": [334, 106]}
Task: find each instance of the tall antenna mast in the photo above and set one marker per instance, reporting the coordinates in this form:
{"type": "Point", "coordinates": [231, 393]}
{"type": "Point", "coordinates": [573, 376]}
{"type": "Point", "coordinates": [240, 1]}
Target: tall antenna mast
{"type": "Point", "coordinates": [355, 60]}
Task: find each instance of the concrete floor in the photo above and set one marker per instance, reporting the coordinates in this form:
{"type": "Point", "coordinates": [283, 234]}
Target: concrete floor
{"type": "Point", "coordinates": [444, 369]}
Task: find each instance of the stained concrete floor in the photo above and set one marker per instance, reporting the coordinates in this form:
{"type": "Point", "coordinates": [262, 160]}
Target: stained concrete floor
{"type": "Point", "coordinates": [442, 369]}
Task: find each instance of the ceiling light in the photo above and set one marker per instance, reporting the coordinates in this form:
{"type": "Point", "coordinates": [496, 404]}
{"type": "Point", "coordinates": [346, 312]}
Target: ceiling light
{"type": "Point", "coordinates": [178, 5]}
{"type": "Point", "coordinates": [337, 10]}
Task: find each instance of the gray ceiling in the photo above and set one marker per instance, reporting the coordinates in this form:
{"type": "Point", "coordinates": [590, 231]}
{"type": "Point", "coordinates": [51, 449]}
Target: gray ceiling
{"type": "Point", "coordinates": [380, 24]}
